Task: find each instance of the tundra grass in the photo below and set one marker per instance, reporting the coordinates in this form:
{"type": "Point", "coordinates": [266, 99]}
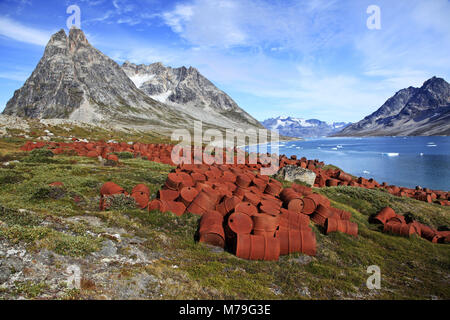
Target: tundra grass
{"type": "Point", "coordinates": [410, 268]}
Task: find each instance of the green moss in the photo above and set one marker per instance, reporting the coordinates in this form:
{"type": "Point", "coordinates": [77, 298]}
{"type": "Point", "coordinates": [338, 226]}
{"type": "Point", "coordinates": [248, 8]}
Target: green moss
{"type": "Point", "coordinates": [29, 289]}
{"type": "Point", "coordinates": [76, 246]}
{"type": "Point", "coordinates": [22, 218]}
{"type": "Point", "coordinates": [47, 192]}
{"type": "Point", "coordinates": [18, 233]}
{"type": "Point", "coordinates": [72, 294]}
{"type": "Point", "coordinates": [330, 166]}
{"type": "Point", "coordinates": [40, 156]}
{"type": "Point", "coordinates": [44, 237]}
{"type": "Point", "coordinates": [302, 183]}
{"type": "Point", "coordinates": [9, 176]}
{"type": "Point", "coordinates": [124, 155]}
{"type": "Point", "coordinates": [120, 202]}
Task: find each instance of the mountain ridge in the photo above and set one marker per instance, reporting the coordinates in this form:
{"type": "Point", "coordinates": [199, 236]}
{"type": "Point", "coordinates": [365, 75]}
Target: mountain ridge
{"type": "Point", "coordinates": [73, 80]}
{"type": "Point", "coordinates": [410, 111]}
{"type": "Point", "coordinates": [186, 86]}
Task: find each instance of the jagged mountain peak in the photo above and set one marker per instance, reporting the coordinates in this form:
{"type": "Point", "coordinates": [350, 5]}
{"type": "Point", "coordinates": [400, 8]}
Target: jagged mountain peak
{"type": "Point", "coordinates": [438, 86]}
{"type": "Point", "coordinates": [157, 67]}
{"type": "Point", "coordinates": [60, 35]}
{"type": "Point", "coordinates": [435, 81]}
{"type": "Point", "coordinates": [76, 81]}
{"type": "Point", "coordinates": [410, 111]}
{"type": "Point", "coordinates": [77, 38]}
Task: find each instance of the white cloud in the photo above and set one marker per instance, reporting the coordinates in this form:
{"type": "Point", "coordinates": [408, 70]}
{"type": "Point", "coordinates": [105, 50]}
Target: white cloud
{"type": "Point", "coordinates": [123, 6]}
{"type": "Point", "coordinates": [15, 30]}
{"type": "Point", "coordinates": [209, 23]}
{"type": "Point", "coordinates": [178, 17]}
{"type": "Point", "coordinates": [129, 21]}
{"type": "Point", "coordinates": [108, 14]}
{"type": "Point", "coordinates": [15, 75]}
{"type": "Point", "coordinates": [413, 43]}
{"type": "Point", "coordinates": [93, 2]}
{"type": "Point", "coordinates": [225, 23]}
{"type": "Point", "coordinates": [123, 12]}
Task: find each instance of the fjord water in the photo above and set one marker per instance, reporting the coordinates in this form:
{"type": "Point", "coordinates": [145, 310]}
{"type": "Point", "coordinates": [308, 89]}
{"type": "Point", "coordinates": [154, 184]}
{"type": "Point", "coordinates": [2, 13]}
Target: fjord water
{"type": "Point", "coordinates": [402, 161]}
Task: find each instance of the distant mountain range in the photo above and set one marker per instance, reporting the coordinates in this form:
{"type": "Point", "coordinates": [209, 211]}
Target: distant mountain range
{"type": "Point", "coordinates": [73, 80]}
{"type": "Point", "coordinates": [298, 127]}
{"type": "Point", "coordinates": [423, 111]}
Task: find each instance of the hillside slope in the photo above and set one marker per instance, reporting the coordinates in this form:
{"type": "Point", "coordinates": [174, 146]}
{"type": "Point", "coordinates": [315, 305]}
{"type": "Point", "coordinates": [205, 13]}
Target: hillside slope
{"type": "Point", "coordinates": [127, 253]}
{"type": "Point", "coordinates": [410, 112]}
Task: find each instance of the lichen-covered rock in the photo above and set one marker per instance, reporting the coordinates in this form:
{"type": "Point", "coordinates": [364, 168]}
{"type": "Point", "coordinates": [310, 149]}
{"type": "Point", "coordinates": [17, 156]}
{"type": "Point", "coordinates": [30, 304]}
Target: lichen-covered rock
{"type": "Point", "coordinates": [294, 173]}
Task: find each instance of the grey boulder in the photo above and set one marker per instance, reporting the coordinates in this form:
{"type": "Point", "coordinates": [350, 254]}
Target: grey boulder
{"type": "Point", "coordinates": [293, 173]}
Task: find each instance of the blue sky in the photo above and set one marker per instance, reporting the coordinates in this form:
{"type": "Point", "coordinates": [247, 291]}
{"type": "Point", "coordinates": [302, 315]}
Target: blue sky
{"type": "Point", "coordinates": [310, 59]}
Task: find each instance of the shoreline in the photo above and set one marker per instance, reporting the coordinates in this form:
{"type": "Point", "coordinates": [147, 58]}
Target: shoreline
{"type": "Point", "coordinates": [334, 165]}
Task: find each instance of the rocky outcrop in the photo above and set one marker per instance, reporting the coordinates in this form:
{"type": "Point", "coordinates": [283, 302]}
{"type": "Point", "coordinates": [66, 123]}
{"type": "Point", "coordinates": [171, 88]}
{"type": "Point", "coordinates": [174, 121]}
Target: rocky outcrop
{"type": "Point", "coordinates": [295, 173]}
{"type": "Point", "coordinates": [188, 89]}
{"type": "Point", "coordinates": [411, 111]}
{"type": "Point", "coordinates": [298, 127]}
{"type": "Point", "coordinates": [12, 123]}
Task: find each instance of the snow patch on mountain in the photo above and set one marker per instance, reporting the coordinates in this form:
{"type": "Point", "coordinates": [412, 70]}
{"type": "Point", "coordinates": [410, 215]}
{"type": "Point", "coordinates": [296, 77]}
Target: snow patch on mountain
{"type": "Point", "coordinates": [140, 79]}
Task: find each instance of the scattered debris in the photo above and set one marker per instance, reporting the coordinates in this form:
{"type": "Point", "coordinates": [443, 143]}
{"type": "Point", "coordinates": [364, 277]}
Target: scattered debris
{"type": "Point", "coordinates": [398, 224]}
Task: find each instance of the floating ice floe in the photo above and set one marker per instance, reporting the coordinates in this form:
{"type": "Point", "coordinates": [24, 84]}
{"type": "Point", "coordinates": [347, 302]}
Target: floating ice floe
{"type": "Point", "coordinates": [392, 154]}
